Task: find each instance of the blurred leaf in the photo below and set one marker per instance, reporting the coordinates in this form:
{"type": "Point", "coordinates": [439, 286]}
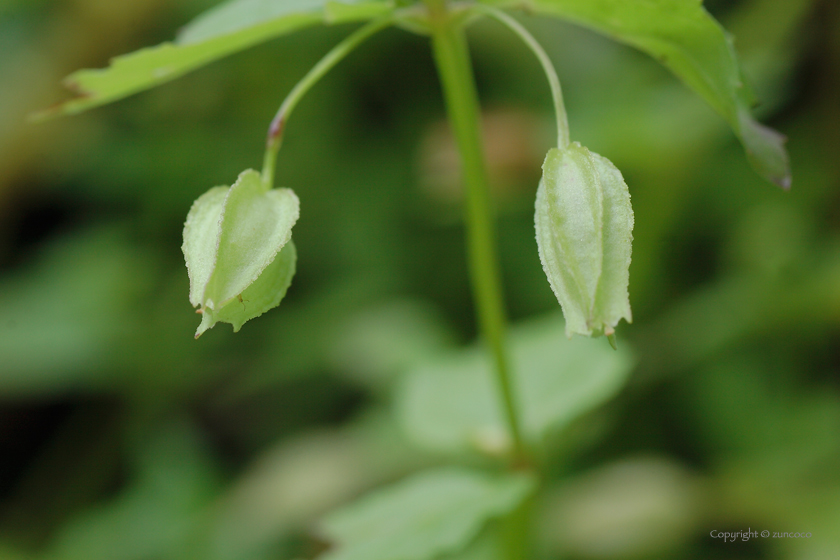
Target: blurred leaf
{"type": "Point", "coordinates": [154, 515]}
{"type": "Point", "coordinates": [379, 342]}
{"type": "Point", "coordinates": [222, 31]}
{"type": "Point", "coordinates": [689, 42]}
{"type": "Point", "coordinates": [641, 507]}
{"type": "Point", "coordinates": [60, 320]}
{"type": "Point", "coordinates": [485, 547]}
{"type": "Point", "coordinates": [429, 514]}
{"type": "Point", "coordinates": [452, 404]}
{"type": "Point", "coordinates": [293, 483]}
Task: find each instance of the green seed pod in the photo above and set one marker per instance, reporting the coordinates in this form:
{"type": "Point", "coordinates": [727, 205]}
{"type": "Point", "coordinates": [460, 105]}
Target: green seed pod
{"type": "Point", "coordinates": [584, 225]}
{"type": "Point", "coordinates": [238, 248]}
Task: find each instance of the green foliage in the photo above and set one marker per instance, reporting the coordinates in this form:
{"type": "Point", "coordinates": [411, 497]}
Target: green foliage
{"type": "Point", "coordinates": [678, 33]}
{"type": "Point", "coordinates": [584, 225]}
{"type": "Point", "coordinates": [687, 40]}
{"type": "Point", "coordinates": [735, 300]}
{"type": "Point", "coordinates": [65, 310]}
{"type": "Point", "coordinates": [237, 16]}
{"type": "Point", "coordinates": [451, 404]}
{"type": "Point", "coordinates": [225, 30]}
{"type": "Point", "coordinates": [429, 514]}
{"type": "Point", "coordinates": [234, 245]}
{"type": "Point", "coordinates": [172, 465]}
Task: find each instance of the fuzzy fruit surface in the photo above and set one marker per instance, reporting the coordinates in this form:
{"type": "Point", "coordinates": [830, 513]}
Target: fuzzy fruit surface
{"type": "Point", "coordinates": [584, 225]}
{"type": "Point", "coordinates": [238, 250]}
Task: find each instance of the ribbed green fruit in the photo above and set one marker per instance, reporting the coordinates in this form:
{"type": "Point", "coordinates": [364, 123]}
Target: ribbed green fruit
{"type": "Point", "coordinates": [238, 249]}
{"type": "Point", "coordinates": [584, 225]}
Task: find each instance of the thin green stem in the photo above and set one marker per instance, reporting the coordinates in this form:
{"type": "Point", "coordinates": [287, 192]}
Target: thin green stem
{"type": "Point", "coordinates": [453, 62]}
{"type": "Point", "coordinates": [548, 68]}
{"type": "Point", "coordinates": [515, 530]}
{"type": "Point", "coordinates": [278, 124]}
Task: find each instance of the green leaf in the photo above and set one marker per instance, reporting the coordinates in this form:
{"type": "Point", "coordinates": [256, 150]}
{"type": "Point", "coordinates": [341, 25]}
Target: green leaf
{"type": "Point", "coordinates": [232, 238]}
{"type": "Point", "coordinates": [219, 32]}
{"type": "Point", "coordinates": [584, 225]}
{"type": "Point", "coordinates": [238, 15]}
{"type": "Point", "coordinates": [452, 404]}
{"type": "Point", "coordinates": [687, 40]}
{"type": "Point", "coordinates": [425, 516]}
{"type": "Point", "coordinates": [356, 10]}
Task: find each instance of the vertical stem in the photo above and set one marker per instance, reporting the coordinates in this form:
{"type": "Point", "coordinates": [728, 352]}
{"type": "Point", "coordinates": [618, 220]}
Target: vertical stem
{"type": "Point", "coordinates": [515, 531]}
{"type": "Point", "coordinates": [453, 62]}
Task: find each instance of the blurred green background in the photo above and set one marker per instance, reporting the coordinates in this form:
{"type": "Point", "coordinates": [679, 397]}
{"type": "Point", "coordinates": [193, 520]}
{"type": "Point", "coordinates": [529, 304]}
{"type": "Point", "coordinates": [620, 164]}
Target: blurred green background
{"type": "Point", "coordinates": [121, 437]}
